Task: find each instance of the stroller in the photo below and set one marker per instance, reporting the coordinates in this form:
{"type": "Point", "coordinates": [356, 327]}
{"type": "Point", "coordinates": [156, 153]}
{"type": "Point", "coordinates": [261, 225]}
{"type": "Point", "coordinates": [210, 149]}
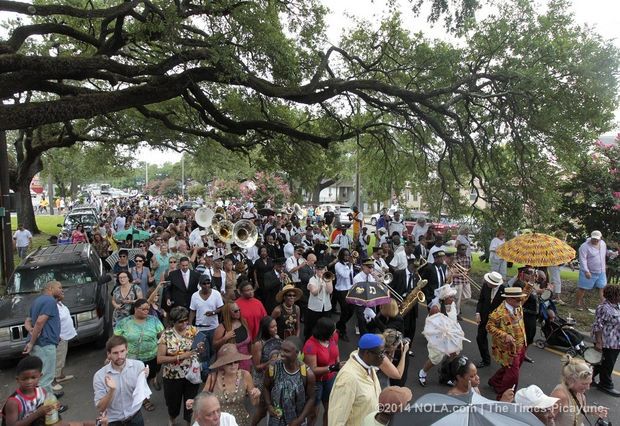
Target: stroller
{"type": "Point", "coordinates": [558, 332]}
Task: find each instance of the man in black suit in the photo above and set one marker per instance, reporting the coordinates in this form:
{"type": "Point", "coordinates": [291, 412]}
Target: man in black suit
{"type": "Point", "coordinates": [273, 281]}
{"type": "Point", "coordinates": [183, 283]}
{"type": "Point", "coordinates": [490, 298]}
{"type": "Point", "coordinates": [404, 282]}
{"type": "Point", "coordinates": [435, 273]}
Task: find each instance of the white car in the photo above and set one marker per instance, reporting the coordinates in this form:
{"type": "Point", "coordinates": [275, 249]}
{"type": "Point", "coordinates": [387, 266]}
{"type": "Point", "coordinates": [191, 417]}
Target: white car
{"type": "Point", "coordinates": [345, 211]}
{"type": "Point", "coordinates": [375, 217]}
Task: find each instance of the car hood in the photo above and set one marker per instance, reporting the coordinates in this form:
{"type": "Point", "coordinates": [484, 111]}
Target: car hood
{"type": "Point", "coordinates": [14, 308]}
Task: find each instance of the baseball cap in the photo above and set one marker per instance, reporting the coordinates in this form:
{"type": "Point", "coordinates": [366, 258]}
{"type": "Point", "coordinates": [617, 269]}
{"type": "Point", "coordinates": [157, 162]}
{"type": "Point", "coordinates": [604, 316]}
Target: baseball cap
{"type": "Point", "coordinates": [533, 397]}
{"type": "Point", "coordinates": [596, 235]}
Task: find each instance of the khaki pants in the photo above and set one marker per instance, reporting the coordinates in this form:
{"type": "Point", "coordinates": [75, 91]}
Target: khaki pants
{"type": "Point", "coordinates": [61, 356]}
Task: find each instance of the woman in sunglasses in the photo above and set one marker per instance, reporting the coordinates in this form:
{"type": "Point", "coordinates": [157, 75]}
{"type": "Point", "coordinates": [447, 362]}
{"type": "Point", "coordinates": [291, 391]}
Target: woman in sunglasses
{"type": "Point", "coordinates": [142, 274]}
{"type": "Point", "coordinates": [174, 352]}
{"type": "Point", "coordinates": [234, 329]}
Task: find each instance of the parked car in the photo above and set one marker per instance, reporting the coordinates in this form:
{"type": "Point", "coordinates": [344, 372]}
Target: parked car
{"type": "Point", "coordinates": [85, 285]}
{"type": "Point", "coordinates": [345, 211]}
{"type": "Point", "coordinates": [443, 226]}
{"type": "Point", "coordinates": [87, 218]}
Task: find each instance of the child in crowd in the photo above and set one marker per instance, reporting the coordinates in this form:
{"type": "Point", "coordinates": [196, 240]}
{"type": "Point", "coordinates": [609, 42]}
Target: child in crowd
{"type": "Point", "coordinates": [25, 405]}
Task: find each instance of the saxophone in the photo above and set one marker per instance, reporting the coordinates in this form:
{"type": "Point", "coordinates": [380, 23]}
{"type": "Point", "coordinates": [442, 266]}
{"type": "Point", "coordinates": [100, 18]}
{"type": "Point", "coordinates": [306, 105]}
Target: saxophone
{"type": "Point", "coordinates": [412, 298]}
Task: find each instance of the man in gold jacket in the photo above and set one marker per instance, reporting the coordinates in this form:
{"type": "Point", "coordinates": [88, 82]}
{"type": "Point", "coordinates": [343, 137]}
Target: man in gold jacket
{"type": "Point", "coordinates": [356, 389]}
{"type": "Point", "coordinates": [508, 348]}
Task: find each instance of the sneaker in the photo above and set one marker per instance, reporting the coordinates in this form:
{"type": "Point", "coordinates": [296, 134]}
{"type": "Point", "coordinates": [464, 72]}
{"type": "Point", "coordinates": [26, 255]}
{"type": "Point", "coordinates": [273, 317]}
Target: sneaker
{"type": "Point", "coordinates": [559, 302]}
{"type": "Point", "coordinates": [64, 378]}
{"type": "Point", "coordinates": [62, 408]}
{"type": "Point", "coordinates": [592, 311]}
{"type": "Point", "coordinates": [56, 387]}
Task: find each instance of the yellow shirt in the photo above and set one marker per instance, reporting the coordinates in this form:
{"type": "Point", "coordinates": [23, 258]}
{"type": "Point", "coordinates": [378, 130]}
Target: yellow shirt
{"type": "Point", "coordinates": [355, 394]}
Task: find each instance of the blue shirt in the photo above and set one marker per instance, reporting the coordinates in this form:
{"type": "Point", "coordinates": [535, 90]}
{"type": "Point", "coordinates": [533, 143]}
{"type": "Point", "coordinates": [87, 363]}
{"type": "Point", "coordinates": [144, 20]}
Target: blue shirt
{"type": "Point", "coordinates": [46, 305]}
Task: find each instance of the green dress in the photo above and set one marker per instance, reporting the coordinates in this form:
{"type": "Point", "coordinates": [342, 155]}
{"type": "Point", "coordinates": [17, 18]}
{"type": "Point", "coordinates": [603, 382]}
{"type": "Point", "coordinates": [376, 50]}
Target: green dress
{"type": "Point", "coordinates": [141, 337]}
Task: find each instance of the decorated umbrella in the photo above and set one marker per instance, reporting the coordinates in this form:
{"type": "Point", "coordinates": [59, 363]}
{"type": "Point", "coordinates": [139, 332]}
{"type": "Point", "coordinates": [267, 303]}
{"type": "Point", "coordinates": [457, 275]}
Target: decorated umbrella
{"type": "Point", "coordinates": [472, 409]}
{"type": "Point", "coordinates": [444, 334]}
{"type": "Point", "coordinates": [138, 234]}
{"type": "Point", "coordinates": [368, 294]}
{"type": "Point", "coordinates": [132, 253]}
{"type": "Point", "coordinates": [536, 250]}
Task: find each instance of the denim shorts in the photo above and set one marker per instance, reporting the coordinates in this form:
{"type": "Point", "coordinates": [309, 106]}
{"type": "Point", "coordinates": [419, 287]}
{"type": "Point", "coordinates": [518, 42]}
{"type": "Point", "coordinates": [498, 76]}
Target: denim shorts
{"type": "Point", "coordinates": [597, 281]}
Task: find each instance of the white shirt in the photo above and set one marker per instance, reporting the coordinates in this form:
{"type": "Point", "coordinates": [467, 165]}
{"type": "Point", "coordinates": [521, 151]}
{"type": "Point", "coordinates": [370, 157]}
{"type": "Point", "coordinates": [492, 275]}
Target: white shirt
{"type": "Point", "coordinates": [67, 330]}
{"type": "Point", "coordinates": [361, 277]}
{"type": "Point", "coordinates": [119, 223]}
{"type": "Point", "coordinates": [322, 301]}
{"type": "Point", "coordinates": [252, 253]}
{"type": "Point", "coordinates": [185, 276]}
{"type": "Point", "coordinates": [344, 275]}
{"type": "Point", "coordinates": [431, 258]}
{"type": "Point", "coordinates": [396, 227]}
{"type": "Point", "coordinates": [22, 238]}
{"type": "Point", "coordinates": [289, 249]}
{"type": "Point", "coordinates": [225, 420]}
{"type": "Point", "coordinates": [380, 264]}
{"type": "Point", "coordinates": [121, 406]}
{"type": "Point", "coordinates": [399, 261]}
{"type": "Point", "coordinates": [419, 231]}
{"type": "Point", "coordinates": [201, 306]}
{"type": "Point", "coordinates": [495, 244]}
{"type": "Point", "coordinates": [291, 263]}
{"type": "Point", "coordinates": [344, 240]}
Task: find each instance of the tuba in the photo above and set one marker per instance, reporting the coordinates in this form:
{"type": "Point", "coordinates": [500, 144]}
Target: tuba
{"type": "Point", "coordinates": [412, 298]}
{"type": "Point", "coordinates": [225, 231]}
{"type": "Point", "coordinates": [215, 222]}
{"type": "Point", "coordinates": [245, 233]}
{"type": "Point", "coordinates": [204, 217]}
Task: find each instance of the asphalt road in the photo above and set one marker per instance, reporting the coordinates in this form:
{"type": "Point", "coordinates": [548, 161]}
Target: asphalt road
{"type": "Point", "coordinates": [83, 361]}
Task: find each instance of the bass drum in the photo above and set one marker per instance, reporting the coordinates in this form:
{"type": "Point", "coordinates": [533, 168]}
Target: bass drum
{"type": "Point", "coordinates": [592, 356]}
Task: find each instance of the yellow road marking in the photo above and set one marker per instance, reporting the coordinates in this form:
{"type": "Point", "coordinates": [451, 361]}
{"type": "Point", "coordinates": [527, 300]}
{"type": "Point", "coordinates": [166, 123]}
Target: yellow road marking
{"type": "Point", "coordinates": [553, 351]}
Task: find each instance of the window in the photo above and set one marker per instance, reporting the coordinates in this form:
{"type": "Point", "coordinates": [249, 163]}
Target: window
{"type": "Point", "coordinates": [33, 280]}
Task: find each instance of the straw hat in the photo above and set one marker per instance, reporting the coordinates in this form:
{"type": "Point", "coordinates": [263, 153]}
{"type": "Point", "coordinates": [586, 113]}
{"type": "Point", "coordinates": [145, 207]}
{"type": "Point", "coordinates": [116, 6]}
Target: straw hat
{"type": "Point", "coordinates": [228, 354]}
{"type": "Point", "coordinates": [286, 289]}
{"type": "Point", "coordinates": [513, 292]}
{"type": "Point", "coordinates": [494, 278]}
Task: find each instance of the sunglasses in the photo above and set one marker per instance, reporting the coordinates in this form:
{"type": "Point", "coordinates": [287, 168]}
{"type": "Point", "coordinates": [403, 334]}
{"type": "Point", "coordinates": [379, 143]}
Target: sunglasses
{"type": "Point", "coordinates": [290, 295]}
{"type": "Point", "coordinates": [235, 311]}
{"type": "Point", "coordinates": [380, 354]}
{"type": "Point", "coordinates": [140, 260]}
{"type": "Point", "coordinates": [173, 261]}
{"type": "Point", "coordinates": [122, 256]}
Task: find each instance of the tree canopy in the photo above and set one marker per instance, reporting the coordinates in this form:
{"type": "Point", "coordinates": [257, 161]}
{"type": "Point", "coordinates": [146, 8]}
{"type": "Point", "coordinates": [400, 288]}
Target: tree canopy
{"type": "Point", "coordinates": [521, 87]}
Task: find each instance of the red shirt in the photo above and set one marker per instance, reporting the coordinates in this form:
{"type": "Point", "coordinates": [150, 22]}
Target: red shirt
{"type": "Point", "coordinates": [324, 355]}
{"type": "Point", "coordinates": [253, 311]}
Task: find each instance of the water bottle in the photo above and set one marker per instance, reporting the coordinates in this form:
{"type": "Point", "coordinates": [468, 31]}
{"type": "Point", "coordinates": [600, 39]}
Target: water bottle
{"type": "Point", "coordinates": [51, 418]}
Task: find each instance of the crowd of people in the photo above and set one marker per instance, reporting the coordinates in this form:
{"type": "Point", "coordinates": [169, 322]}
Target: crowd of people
{"type": "Point", "coordinates": [220, 326]}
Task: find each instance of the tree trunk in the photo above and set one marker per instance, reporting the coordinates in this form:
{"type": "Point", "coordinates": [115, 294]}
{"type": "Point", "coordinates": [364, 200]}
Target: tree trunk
{"type": "Point", "coordinates": [320, 185]}
{"type": "Point", "coordinates": [25, 210]}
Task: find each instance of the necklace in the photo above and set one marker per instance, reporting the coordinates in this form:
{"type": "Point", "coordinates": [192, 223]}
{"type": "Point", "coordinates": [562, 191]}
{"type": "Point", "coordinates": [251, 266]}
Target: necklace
{"type": "Point", "coordinates": [287, 309]}
{"type": "Point", "coordinates": [224, 394]}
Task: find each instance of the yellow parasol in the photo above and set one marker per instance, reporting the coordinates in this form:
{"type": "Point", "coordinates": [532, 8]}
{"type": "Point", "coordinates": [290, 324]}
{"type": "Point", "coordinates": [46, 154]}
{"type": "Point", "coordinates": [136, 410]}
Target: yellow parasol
{"type": "Point", "coordinates": [536, 250]}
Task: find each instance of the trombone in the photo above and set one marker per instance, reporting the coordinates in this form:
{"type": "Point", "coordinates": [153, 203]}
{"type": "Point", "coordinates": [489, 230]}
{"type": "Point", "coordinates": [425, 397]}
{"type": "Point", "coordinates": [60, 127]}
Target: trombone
{"type": "Point", "coordinates": [386, 278]}
{"type": "Point", "coordinates": [456, 268]}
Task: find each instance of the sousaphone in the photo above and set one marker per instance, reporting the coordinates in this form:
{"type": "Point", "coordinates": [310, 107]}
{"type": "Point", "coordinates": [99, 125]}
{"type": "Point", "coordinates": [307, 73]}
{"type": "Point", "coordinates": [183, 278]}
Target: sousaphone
{"type": "Point", "coordinates": [245, 233]}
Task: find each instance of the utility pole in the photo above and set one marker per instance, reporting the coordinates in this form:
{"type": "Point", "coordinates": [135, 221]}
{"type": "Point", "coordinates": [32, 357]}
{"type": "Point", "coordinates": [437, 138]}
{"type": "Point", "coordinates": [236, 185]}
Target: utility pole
{"type": "Point", "coordinates": [147, 174]}
{"type": "Point", "coordinates": [183, 177]}
{"type": "Point", "coordinates": [50, 193]}
{"type": "Point", "coordinates": [6, 244]}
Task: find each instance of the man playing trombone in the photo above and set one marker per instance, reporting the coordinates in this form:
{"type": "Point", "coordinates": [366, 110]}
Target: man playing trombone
{"type": "Point", "coordinates": [460, 276]}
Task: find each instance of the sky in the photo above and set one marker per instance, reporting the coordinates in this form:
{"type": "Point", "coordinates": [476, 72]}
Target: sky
{"type": "Point", "coordinates": [602, 15]}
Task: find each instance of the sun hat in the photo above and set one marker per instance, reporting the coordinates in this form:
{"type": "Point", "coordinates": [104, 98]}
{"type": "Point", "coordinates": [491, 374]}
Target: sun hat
{"type": "Point", "coordinates": [494, 278]}
{"type": "Point", "coordinates": [228, 354]}
{"type": "Point", "coordinates": [445, 291]}
{"type": "Point", "coordinates": [533, 397]}
{"type": "Point", "coordinates": [513, 292]}
{"type": "Point", "coordinates": [287, 288]}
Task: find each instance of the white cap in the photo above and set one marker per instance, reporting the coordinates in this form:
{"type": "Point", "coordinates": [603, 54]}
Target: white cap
{"type": "Point", "coordinates": [596, 235]}
{"type": "Point", "coordinates": [533, 397]}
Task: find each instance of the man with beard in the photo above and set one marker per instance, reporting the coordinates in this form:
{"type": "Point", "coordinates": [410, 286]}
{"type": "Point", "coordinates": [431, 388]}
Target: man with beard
{"type": "Point", "coordinates": [114, 384]}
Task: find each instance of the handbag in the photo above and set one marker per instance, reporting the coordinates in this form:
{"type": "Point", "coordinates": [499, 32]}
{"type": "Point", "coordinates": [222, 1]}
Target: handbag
{"type": "Point", "coordinates": [193, 372]}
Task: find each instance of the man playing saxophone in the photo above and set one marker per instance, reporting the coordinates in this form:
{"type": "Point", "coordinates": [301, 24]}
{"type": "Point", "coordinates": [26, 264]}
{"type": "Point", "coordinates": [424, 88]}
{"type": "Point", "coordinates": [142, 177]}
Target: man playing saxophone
{"type": "Point", "coordinates": [405, 281]}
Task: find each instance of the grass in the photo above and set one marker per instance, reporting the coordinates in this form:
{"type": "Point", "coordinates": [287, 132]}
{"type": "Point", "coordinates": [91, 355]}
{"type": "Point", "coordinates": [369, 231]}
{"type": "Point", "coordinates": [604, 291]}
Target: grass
{"type": "Point", "coordinates": [48, 225]}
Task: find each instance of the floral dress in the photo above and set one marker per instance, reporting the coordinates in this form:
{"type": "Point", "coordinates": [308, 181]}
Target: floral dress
{"type": "Point", "coordinates": [176, 344]}
{"type": "Point", "coordinates": [271, 349]}
{"type": "Point", "coordinates": [124, 310]}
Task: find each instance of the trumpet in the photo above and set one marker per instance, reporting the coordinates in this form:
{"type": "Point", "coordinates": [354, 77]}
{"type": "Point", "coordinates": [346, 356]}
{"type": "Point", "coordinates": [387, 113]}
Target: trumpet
{"type": "Point", "coordinates": [328, 276]}
{"type": "Point", "coordinates": [355, 255]}
{"type": "Point", "coordinates": [286, 280]}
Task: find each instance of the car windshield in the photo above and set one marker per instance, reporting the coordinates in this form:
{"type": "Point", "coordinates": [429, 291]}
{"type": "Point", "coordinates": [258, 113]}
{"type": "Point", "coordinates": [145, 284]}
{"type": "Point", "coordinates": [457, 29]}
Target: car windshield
{"type": "Point", "coordinates": [85, 219]}
{"type": "Point", "coordinates": [32, 280]}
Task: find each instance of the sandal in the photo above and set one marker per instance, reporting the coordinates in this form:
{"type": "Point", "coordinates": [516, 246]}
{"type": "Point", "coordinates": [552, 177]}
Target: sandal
{"type": "Point", "coordinates": [148, 405]}
{"type": "Point", "coordinates": [156, 384]}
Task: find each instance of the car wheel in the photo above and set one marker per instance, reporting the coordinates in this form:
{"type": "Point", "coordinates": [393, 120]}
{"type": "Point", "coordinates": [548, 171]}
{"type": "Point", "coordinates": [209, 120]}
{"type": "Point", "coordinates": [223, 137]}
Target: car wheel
{"type": "Point", "coordinates": [373, 221]}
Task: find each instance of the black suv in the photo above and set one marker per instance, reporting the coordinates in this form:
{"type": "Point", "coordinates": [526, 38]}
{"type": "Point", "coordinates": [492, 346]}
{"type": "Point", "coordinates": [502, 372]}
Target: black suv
{"type": "Point", "coordinates": [85, 285]}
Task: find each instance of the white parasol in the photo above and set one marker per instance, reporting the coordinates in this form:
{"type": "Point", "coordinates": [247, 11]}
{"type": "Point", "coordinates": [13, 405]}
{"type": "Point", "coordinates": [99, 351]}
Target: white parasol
{"type": "Point", "coordinates": [444, 334]}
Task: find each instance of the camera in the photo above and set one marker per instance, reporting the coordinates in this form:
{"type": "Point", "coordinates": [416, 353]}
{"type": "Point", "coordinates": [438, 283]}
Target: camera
{"type": "Point", "coordinates": [602, 422]}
